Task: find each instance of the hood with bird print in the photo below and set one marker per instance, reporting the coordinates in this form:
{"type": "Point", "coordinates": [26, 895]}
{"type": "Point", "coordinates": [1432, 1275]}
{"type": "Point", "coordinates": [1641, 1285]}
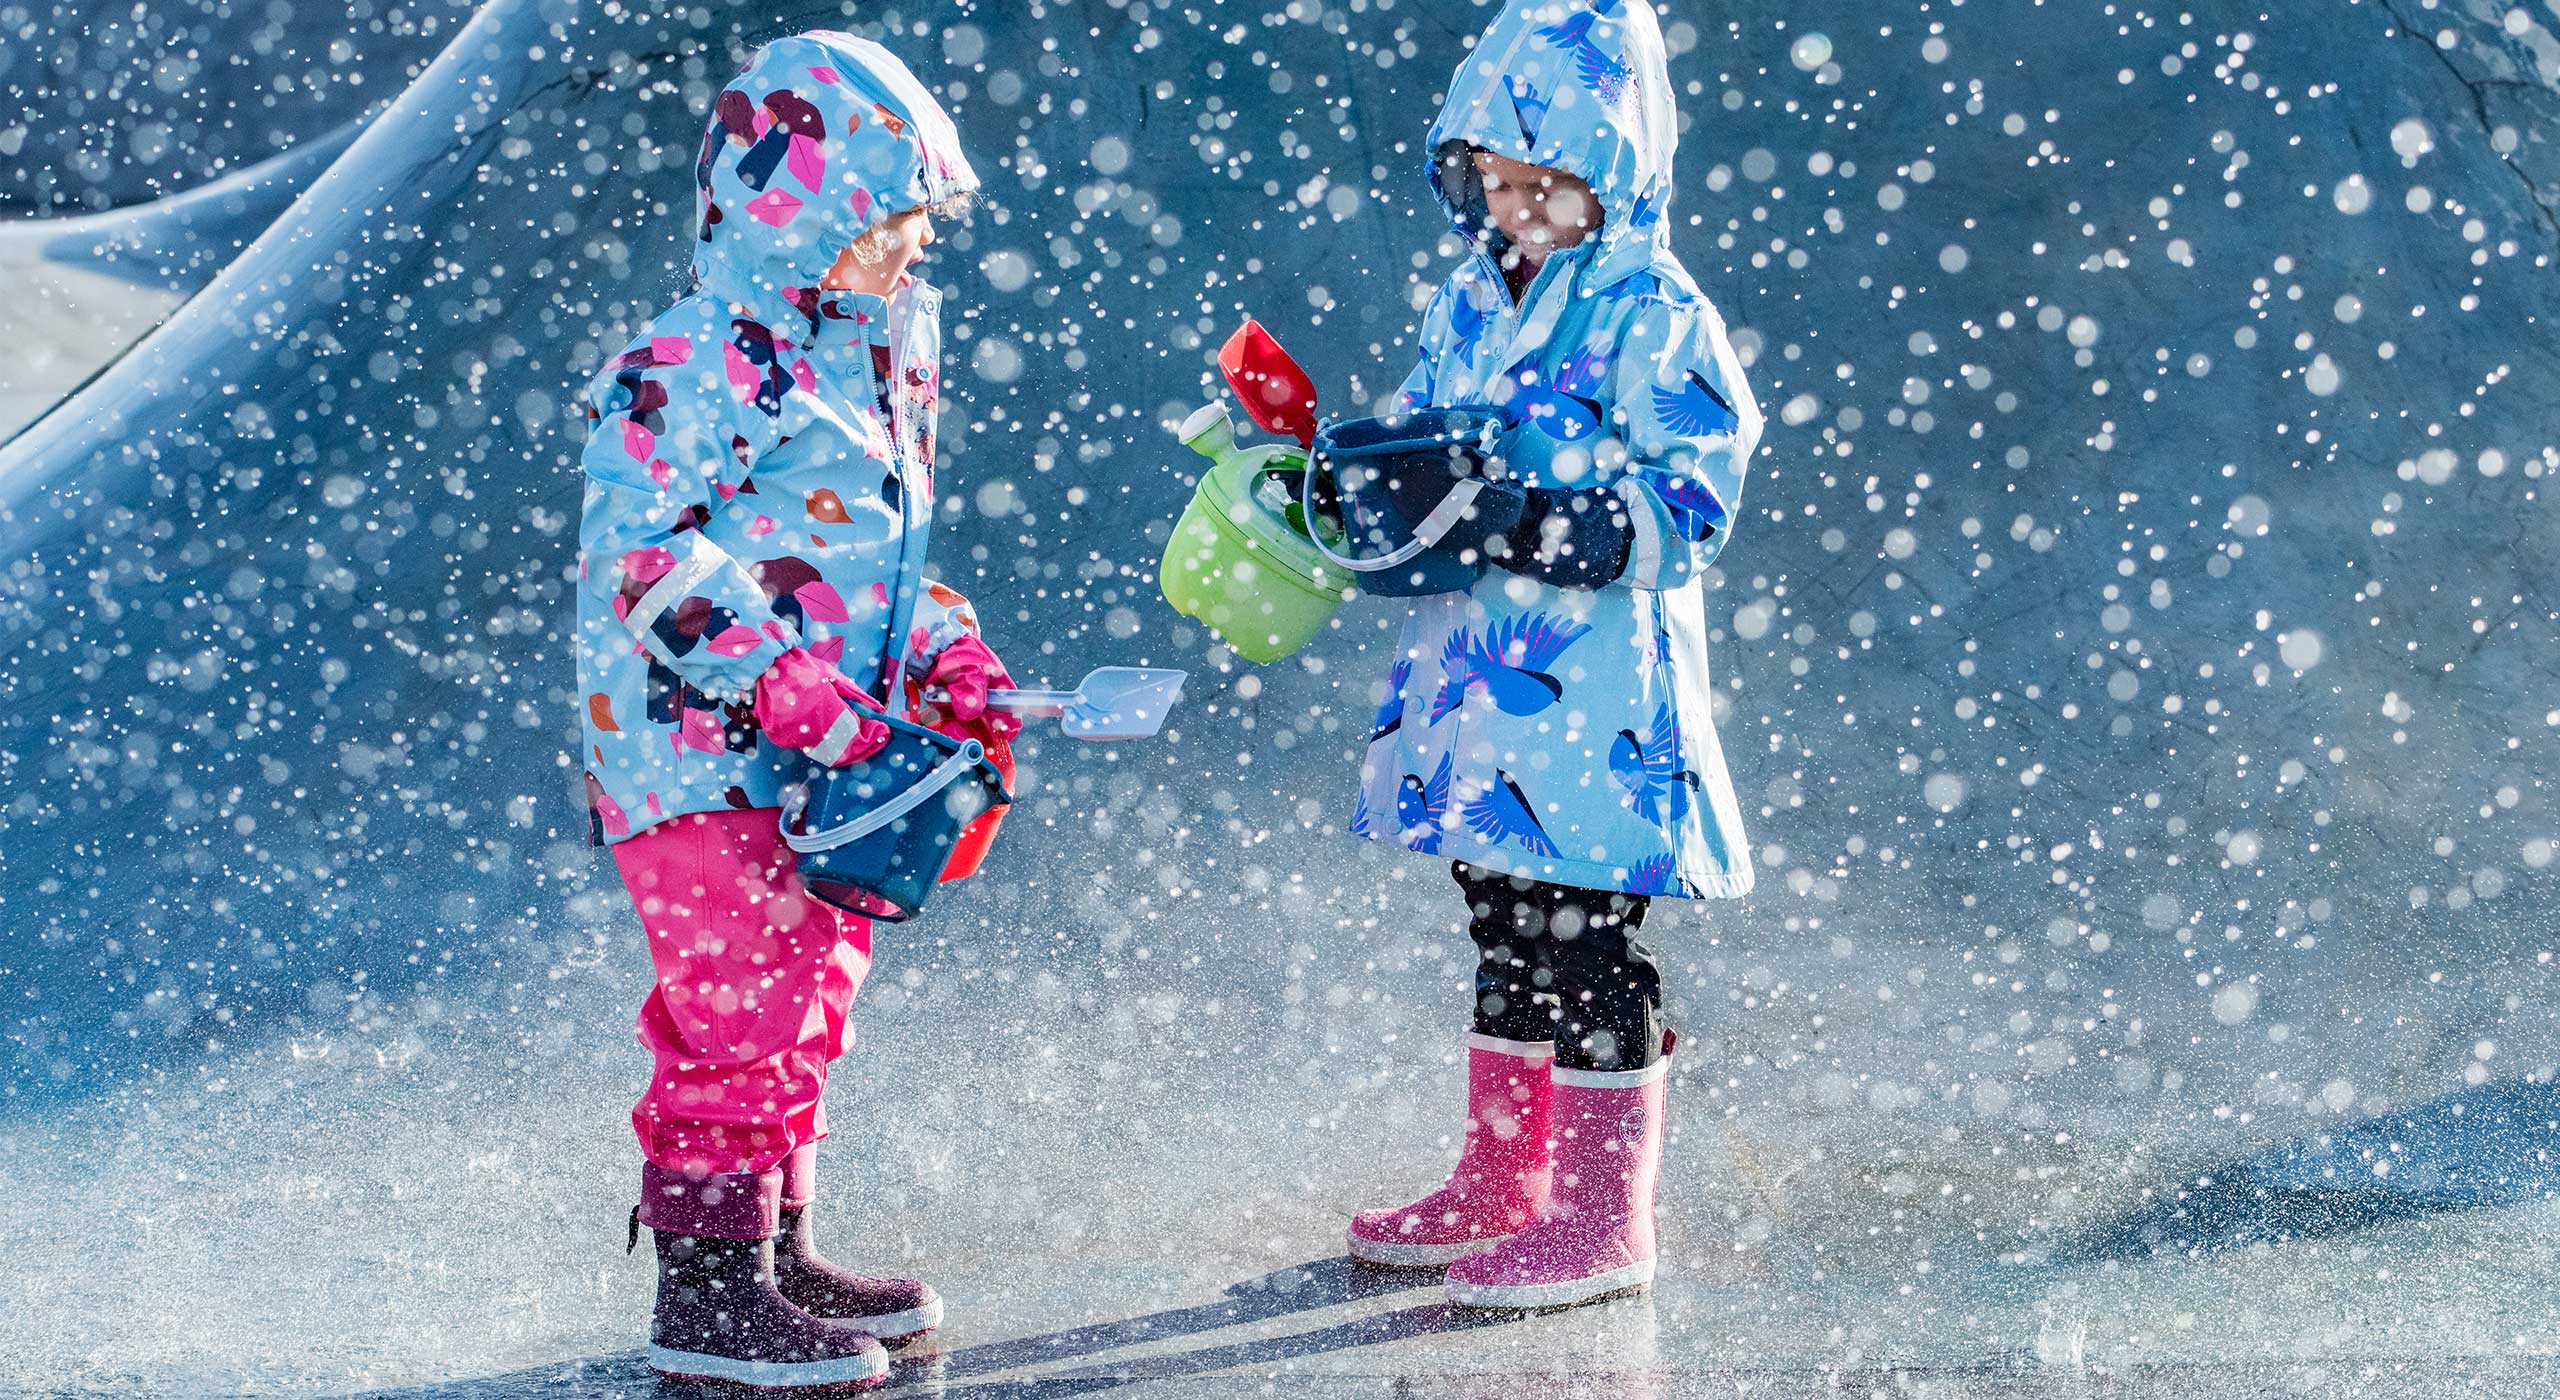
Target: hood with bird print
{"type": "Point", "coordinates": [1567, 733]}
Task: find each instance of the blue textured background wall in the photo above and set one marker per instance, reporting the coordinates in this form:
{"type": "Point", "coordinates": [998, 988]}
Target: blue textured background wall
{"type": "Point", "coordinates": [2142, 609]}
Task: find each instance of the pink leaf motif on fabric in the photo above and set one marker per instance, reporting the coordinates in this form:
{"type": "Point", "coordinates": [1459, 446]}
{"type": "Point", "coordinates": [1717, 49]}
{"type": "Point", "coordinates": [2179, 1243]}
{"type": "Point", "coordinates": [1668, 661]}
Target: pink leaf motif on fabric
{"type": "Point", "coordinates": [761, 525]}
{"type": "Point", "coordinates": [862, 204]}
{"type": "Point", "coordinates": [647, 565]}
{"type": "Point", "coordinates": [880, 594]}
{"type": "Point", "coordinates": [638, 440]}
{"type": "Point", "coordinates": [822, 603]}
{"type": "Point", "coordinates": [808, 161]}
{"type": "Point", "coordinates": [808, 377]}
{"type": "Point", "coordinates": [617, 822]}
{"type": "Point", "coordinates": [775, 207]}
{"type": "Point", "coordinates": [701, 731]}
{"type": "Point", "coordinates": [823, 74]}
{"type": "Point", "coordinates": [654, 809]}
{"type": "Point", "coordinates": [829, 650]}
{"type": "Point", "coordinates": [669, 350]}
{"type": "Point", "coordinates": [743, 375]}
{"type": "Point", "coordinates": [727, 491]}
{"type": "Point", "coordinates": [774, 630]}
{"type": "Point", "coordinates": [660, 472]}
{"type": "Point", "coordinates": [737, 641]}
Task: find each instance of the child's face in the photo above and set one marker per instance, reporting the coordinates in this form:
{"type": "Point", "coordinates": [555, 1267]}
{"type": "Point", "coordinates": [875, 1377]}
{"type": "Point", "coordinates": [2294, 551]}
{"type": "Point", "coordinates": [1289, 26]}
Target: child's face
{"type": "Point", "coordinates": [1539, 208]}
{"type": "Point", "coordinates": [877, 260]}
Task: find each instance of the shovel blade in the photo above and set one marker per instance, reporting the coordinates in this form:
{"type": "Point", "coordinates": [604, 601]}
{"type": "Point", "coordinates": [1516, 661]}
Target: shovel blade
{"type": "Point", "coordinates": [1123, 702]}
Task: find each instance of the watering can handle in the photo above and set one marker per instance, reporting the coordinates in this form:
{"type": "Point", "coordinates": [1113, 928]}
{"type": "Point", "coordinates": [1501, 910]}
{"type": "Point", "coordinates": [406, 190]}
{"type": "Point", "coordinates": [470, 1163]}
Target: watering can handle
{"type": "Point", "coordinates": [1443, 518]}
{"type": "Point", "coordinates": [944, 774]}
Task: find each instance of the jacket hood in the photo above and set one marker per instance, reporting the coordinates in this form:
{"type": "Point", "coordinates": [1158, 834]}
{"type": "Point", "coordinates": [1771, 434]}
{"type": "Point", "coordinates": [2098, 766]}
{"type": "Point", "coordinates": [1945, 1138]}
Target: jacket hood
{"type": "Point", "coordinates": [1583, 86]}
{"type": "Point", "coordinates": [824, 136]}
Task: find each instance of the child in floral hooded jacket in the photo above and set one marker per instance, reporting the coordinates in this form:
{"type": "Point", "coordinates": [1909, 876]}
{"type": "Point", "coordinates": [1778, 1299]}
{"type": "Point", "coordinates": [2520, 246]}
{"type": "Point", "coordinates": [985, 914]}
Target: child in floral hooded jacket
{"type": "Point", "coordinates": [1551, 729]}
{"type": "Point", "coordinates": [759, 489]}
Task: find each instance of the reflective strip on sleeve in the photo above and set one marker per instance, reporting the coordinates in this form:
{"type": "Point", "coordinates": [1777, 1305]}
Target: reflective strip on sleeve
{"type": "Point", "coordinates": [700, 563]}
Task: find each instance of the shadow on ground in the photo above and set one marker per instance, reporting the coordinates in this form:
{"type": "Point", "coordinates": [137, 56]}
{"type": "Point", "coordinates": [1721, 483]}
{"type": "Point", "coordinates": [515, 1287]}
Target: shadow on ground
{"type": "Point", "coordinates": [2489, 1146]}
{"type": "Point", "coordinates": [978, 1370]}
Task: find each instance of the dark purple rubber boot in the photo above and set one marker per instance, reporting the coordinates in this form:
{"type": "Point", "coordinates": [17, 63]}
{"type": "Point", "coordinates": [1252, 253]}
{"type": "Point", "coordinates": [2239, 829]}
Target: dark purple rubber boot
{"type": "Point", "coordinates": [720, 1316]}
{"type": "Point", "coordinates": [896, 1310]}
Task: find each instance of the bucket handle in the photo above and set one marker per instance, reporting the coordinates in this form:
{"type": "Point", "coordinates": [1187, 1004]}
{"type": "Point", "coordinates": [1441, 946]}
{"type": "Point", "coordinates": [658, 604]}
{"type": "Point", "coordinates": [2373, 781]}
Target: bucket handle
{"type": "Point", "coordinates": [969, 755]}
{"type": "Point", "coordinates": [1443, 518]}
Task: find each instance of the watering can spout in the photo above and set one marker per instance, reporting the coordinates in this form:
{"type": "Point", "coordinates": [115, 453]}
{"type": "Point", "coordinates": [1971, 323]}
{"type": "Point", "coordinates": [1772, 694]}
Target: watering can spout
{"type": "Point", "coordinates": [1209, 432]}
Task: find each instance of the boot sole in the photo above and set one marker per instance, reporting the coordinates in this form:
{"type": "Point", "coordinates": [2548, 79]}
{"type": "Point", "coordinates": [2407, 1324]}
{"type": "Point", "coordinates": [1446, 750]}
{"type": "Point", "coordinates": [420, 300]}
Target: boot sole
{"type": "Point", "coordinates": [842, 1373]}
{"type": "Point", "coordinates": [1536, 1297]}
{"type": "Point", "coordinates": [1383, 1254]}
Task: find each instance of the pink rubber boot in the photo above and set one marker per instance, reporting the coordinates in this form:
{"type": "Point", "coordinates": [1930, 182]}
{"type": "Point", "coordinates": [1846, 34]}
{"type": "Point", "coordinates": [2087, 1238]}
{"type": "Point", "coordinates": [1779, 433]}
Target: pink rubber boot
{"type": "Point", "coordinates": [1501, 1176]}
{"type": "Point", "coordinates": [1594, 1238]}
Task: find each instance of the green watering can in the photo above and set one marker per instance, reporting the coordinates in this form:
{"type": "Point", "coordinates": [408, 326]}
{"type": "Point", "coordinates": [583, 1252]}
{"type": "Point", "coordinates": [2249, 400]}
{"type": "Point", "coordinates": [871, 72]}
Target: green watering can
{"type": "Point", "coordinates": [1240, 559]}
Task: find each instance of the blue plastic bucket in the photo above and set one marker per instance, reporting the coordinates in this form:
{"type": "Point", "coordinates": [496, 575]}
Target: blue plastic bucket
{"type": "Point", "coordinates": [874, 836]}
{"type": "Point", "coordinates": [1353, 518]}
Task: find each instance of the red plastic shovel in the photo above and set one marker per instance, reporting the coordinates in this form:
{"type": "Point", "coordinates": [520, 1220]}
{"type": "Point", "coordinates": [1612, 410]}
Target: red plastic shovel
{"type": "Point", "coordinates": [1275, 391]}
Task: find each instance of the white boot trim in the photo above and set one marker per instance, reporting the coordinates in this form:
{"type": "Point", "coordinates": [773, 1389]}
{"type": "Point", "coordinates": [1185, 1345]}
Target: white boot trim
{"type": "Point", "coordinates": [770, 1375]}
{"type": "Point", "coordinates": [1612, 1079]}
{"type": "Point", "coordinates": [1398, 1255]}
{"type": "Point", "coordinates": [1563, 1294]}
{"type": "Point", "coordinates": [1516, 1049]}
{"type": "Point", "coordinates": [897, 1326]}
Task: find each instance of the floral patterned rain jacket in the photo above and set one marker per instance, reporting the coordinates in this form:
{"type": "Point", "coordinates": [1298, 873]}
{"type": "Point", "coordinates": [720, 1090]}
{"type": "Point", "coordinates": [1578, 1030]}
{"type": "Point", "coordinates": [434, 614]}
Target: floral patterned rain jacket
{"type": "Point", "coordinates": [1567, 734]}
{"type": "Point", "coordinates": [759, 470]}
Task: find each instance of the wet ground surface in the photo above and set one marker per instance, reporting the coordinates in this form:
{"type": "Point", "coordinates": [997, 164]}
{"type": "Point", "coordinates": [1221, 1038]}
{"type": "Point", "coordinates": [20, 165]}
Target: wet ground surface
{"type": "Point", "coordinates": [1116, 1204]}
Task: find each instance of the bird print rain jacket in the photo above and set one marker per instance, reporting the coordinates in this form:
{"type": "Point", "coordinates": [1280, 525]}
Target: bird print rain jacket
{"type": "Point", "coordinates": [746, 492]}
{"type": "Point", "coordinates": [1563, 733]}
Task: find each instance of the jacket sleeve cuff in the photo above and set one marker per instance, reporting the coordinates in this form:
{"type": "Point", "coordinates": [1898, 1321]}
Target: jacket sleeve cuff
{"type": "Point", "coordinates": [724, 663]}
{"type": "Point", "coordinates": [1658, 557]}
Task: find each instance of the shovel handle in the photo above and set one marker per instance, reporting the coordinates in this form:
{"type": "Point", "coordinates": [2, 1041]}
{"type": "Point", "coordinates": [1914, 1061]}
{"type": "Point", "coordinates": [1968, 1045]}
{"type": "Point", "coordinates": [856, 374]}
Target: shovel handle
{"type": "Point", "coordinates": [1029, 703]}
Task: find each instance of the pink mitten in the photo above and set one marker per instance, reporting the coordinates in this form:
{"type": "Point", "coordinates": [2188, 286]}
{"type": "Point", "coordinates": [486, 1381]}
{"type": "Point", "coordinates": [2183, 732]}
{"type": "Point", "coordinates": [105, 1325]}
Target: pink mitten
{"type": "Point", "coordinates": [806, 705]}
{"type": "Point", "coordinates": [963, 674]}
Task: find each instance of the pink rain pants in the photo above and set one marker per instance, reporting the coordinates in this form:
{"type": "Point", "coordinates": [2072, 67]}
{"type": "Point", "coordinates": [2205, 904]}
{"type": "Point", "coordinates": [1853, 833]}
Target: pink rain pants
{"type": "Point", "coordinates": [755, 979]}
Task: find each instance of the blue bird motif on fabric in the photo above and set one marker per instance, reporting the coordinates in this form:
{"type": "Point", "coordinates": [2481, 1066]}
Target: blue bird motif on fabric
{"type": "Point", "coordinates": [1422, 808]}
{"type": "Point", "coordinates": [1583, 372]}
{"type": "Point", "coordinates": [1528, 107]}
{"type": "Point", "coordinates": [1466, 321]}
{"type": "Point", "coordinates": [1646, 213]}
{"type": "Point", "coordinates": [1654, 656]}
{"type": "Point", "coordinates": [1693, 408]}
{"type": "Point", "coordinates": [1695, 511]}
{"type": "Point", "coordinates": [1650, 876]}
{"type": "Point", "coordinates": [1600, 70]}
{"type": "Point", "coordinates": [1512, 662]}
{"type": "Point", "coordinates": [1455, 674]}
{"type": "Point", "coordinates": [1561, 416]}
{"type": "Point", "coordinates": [1656, 786]}
{"type": "Point", "coordinates": [1391, 710]}
{"type": "Point", "coordinates": [1501, 813]}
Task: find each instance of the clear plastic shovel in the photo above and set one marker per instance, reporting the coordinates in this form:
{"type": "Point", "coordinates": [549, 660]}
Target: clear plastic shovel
{"type": "Point", "coordinates": [1111, 702]}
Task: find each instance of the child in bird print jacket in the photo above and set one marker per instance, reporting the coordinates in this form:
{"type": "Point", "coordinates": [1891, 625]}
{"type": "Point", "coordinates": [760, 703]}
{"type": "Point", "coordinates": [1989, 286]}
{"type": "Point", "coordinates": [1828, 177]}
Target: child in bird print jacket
{"type": "Point", "coordinates": [1550, 730]}
{"type": "Point", "coordinates": [759, 492]}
